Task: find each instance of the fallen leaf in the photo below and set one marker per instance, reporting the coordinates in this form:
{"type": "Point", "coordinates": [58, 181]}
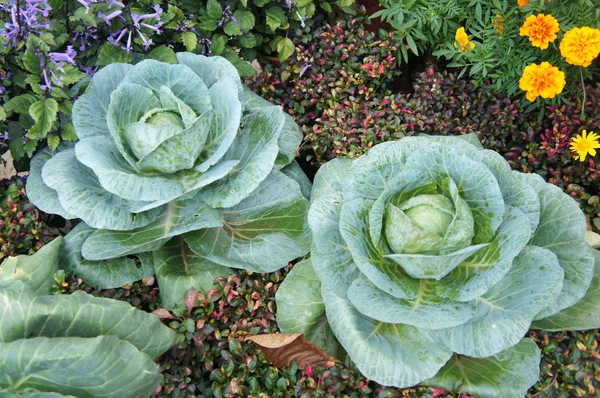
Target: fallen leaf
{"type": "Point", "coordinates": [281, 349]}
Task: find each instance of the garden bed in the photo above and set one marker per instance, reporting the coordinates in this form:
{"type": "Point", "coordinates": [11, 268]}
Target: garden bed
{"type": "Point", "coordinates": [348, 87]}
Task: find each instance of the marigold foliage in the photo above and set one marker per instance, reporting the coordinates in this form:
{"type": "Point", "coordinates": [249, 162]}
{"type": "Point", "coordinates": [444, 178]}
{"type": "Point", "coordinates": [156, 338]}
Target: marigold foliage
{"type": "Point", "coordinates": [542, 80]}
{"type": "Point", "coordinates": [540, 29]}
{"type": "Point", "coordinates": [580, 46]}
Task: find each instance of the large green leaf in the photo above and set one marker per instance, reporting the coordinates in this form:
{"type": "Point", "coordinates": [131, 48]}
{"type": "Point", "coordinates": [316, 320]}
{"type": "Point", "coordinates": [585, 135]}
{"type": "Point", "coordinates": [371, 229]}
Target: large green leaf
{"type": "Point", "coordinates": [256, 149]}
{"type": "Point", "coordinates": [479, 273]}
{"type": "Point", "coordinates": [294, 171]}
{"type": "Point", "coordinates": [15, 303]}
{"type": "Point", "coordinates": [509, 373]}
{"type": "Point", "coordinates": [394, 355]}
{"type": "Point", "coordinates": [223, 131]}
{"type": "Point", "coordinates": [291, 135]}
{"type": "Point", "coordinates": [118, 177]}
{"type": "Point", "coordinates": [103, 366]}
{"type": "Point", "coordinates": [300, 309]}
{"type": "Point", "coordinates": [44, 112]}
{"type": "Point", "coordinates": [211, 69]}
{"type": "Point", "coordinates": [177, 217]}
{"type": "Point", "coordinates": [44, 197]}
{"type": "Point", "coordinates": [37, 270]}
{"type": "Point", "coordinates": [179, 269]}
{"type": "Point", "coordinates": [103, 274]}
{"type": "Point", "coordinates": [182, 81]}
{"type": "Point", "coordinates": [262, 233]}
{"type": "Point", "coordinates": [331, 257]}
{"type": "Point", "coordinates": [506, 311]}
{"type": "Point", "coordinates": [585, 314]}
{"type": "Point", "coordinates": [80, 191]}
{"type": "Point", "coordinates": [89, 111]}
{"type": "Point", "coordinates": [330, 178]}
{"type": "Point", "coordinates": [427, 310]}
{"type": "Point", "coordinates": [31, 393]}
{"type": "Point", "coordinates": [371, 174]}
{"type": "Point", "coordinates": [82, 315]}
{"type": "Point", "coordinates": [561, 230]}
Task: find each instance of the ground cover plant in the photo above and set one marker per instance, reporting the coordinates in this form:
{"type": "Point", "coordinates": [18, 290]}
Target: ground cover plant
{"type": "Point", "coordinates": [433, 254]}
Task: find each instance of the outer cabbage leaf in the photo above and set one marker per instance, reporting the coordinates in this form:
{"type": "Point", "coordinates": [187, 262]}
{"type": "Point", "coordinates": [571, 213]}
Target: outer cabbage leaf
{"type": "Point", "coordinates": [509, 373]}
{"type": "Point", "coordinates": [102, 274]}
{"type": "Point", "coordinates": [300, 309]}
{"type": "Point", "coordinates": [179, 269]}
{"type": "Point", "coordinates": [262, 233]}
{"type": "Point", "coordinates": [398, 355]}
{"type": "Point", "coordinates": [103, 366]}
{"type": "Point", "coordinates": [585, 314]}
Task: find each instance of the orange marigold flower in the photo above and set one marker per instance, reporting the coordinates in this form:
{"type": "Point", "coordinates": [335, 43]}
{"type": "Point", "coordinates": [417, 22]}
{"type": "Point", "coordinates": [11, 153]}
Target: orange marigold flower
{"type": "Point", "coordinates": [522, 2]}
{"type": "Point", "coordinates": [541, 30]}
{"type": "Point", "coordinates": [462, 38]}
{"type": "Point", "coordinates": [580, 46]}
{"type": "Point", "coordinates": [543, 79]}
{"type": "Point", "coordinates": [583, 145]}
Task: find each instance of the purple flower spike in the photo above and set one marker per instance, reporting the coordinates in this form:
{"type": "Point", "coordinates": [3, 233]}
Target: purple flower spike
{"type": "Point", "coordinates": [47, 85]}
{"type": "Point", "coordinates": [128, 47]}
{"type": "Point", "coordinates": [147, 42]}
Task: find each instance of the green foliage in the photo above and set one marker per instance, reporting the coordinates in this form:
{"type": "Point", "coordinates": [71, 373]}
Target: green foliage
{"type": "Point", "coordinates": [181, 166]}
{"type": "Point", "coordinates": [501, 53]}
{"type": "Point", "coordinates": [49, 343]}
{"type": "Point", "coordinates": [511, 252]}
{"type": "Point", "coordinates": [23, 227]}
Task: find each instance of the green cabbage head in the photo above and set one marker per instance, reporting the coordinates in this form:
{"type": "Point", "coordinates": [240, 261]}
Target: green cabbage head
{"type": "Point", "coordinates": [431, 260]}
{"type": "Point", "coordinates": [180, 166]}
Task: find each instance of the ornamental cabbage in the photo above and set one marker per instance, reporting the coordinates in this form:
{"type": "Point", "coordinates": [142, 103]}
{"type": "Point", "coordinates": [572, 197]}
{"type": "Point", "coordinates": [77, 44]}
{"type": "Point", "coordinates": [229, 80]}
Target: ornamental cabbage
{"type": "Point", "coordinates": [180, 166]}
{"type": "Point", "coordinates": [431, 260]}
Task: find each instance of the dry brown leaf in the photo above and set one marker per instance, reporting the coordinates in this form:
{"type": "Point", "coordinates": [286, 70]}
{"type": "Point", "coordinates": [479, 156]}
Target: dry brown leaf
{"type": "Point", "coordinates": [281, 349]}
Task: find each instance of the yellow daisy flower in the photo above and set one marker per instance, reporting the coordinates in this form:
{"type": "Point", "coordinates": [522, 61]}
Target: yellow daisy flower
{"type": "Point", "coordinates": [584, 144]}
{"type": "Point", "coordinates": [540, 29]}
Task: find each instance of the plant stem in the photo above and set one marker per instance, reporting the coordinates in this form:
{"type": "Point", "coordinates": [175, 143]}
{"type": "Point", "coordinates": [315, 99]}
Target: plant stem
{"type": "Point", "coordinates": [582, 117]}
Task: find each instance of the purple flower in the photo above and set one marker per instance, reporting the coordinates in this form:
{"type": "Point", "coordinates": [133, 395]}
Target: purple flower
{"type": "Point", "coordinates": [115, 2]}
{"type": "Point", "coordinates": [146, 42]}
{"type": "Point", "coordinates": [226, 15]}
{"type": "Point", "coordinates": [302, 19]}
{"type": "Point", "coordinates": [306, 66]}
{"type": "Point", "coordinates": [4, 139]}
{"type": "Point", "coordinates": [110, 16]}
{"type": "Point", "coordinates": [115, 38]}
{"type": "Point", "coordinates": [128, 47]}
{"type": "Point", "coordinates": [136, 18]}
{"type": "Point", "coordinates": [47, 84]}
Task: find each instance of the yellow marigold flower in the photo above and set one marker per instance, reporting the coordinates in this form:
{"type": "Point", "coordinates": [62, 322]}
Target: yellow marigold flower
{"type": "Point", "coordinates": [462, 38]}
{"type": "Point", "coordinates": [543, 79]}
{"type": "Point", "coordinates": [585, 144]}
{"type": "Point", "coordinates": [580, 46]}
{"type": "Point", "coordinates": [541, 30]}
{"type": "Point", "coordinates": [522, 2]}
